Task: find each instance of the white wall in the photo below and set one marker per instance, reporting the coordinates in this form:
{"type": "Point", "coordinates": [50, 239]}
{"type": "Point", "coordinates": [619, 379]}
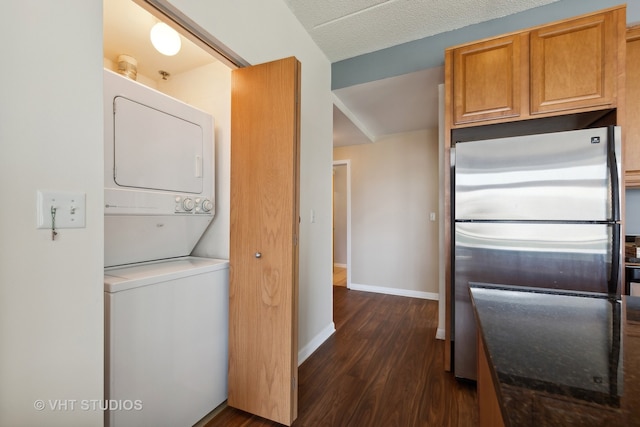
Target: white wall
{"type": "Point", "coordinates": [262, 31]}
{"type": "Point", "coordinates": [51, 299]}
{"type": "Point", "coordinates": [394, 187]}
{"type": "Point", "coordinates": [340, 215]}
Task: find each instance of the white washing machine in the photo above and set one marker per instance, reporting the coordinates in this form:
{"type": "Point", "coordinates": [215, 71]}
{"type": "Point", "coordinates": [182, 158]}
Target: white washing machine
{"type": "Point", "coordinates": [166, 313]}
{"type": "Point", "coordinates": [166, 356]}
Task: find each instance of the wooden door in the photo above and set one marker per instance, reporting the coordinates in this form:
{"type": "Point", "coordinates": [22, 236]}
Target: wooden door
{"type": "Point", "coordinates": [573, 64]}
{"type": "Point", "coordinates": [263, 276]}
{"type": "Point", "coordinates": [489, 79]}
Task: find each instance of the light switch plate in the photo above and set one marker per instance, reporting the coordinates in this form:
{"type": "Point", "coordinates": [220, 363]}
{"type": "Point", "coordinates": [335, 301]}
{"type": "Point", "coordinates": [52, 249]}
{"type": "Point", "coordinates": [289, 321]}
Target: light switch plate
{"type": "Point", "coordinates": [69, 209]}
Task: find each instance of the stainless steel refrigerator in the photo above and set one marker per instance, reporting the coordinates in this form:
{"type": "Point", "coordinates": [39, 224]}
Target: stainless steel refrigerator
{"type": "Point", "coordinates": [538, 211]}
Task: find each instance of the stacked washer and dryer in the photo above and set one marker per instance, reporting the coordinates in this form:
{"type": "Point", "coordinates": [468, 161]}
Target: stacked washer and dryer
{"type": "Point", "coordinates": [166, 325]}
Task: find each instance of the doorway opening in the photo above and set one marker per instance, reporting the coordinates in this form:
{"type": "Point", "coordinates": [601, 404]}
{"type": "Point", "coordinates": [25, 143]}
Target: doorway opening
{"type": "Point", "coordinates": [341, 202]}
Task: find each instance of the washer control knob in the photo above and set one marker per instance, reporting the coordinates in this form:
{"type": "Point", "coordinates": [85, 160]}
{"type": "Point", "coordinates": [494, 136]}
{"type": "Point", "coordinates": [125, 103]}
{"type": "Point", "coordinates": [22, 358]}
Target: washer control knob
{"type": "Point", "coordinates": [207, 205]}
{"type": "Point", "coordinates": [188, 204]}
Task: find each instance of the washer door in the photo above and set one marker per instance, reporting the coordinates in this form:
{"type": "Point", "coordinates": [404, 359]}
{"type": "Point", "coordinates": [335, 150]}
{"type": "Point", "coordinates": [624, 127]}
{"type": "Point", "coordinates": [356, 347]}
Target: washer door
{"type": "Point", "coordinates": [156, 150]}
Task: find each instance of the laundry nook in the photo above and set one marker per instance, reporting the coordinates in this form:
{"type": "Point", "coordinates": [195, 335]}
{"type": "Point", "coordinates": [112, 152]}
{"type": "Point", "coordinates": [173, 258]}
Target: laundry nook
{"type": "Point", "coordinates": [166, 313]}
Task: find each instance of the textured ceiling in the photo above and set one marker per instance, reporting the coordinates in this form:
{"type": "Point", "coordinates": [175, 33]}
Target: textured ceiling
{"type": "Point", "coordinates": [344, 29]}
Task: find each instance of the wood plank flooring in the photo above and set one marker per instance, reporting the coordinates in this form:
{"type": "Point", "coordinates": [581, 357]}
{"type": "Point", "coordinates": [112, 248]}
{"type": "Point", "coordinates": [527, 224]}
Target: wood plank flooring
{"type": "Point", "coordinates": [339, 276]}
{"type": "Point", "coordinates": [382, 367]}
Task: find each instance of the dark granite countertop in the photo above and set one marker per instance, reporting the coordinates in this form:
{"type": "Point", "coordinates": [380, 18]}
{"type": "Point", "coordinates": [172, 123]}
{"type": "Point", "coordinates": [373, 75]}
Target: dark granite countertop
{"type": "Point", "coordinates": [561, 358]}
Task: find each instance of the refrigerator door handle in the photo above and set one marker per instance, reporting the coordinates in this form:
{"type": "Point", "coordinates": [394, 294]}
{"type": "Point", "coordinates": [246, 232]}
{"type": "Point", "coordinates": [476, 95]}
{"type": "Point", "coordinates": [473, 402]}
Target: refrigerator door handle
{"type": "Point", "coordinates": [612, 162]}
{"type": "Point", "coordinates": [616, 265]}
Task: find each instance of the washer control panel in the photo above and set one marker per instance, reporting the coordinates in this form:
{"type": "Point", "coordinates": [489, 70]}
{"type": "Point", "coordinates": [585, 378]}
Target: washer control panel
{"type": "Point", "coordinates": [196, 205]}
{"type": "Point", "coordinates": [129, 202]}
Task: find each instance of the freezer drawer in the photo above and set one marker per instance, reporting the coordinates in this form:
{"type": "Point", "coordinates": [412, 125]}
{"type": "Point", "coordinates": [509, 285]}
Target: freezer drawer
{"type": "Point", "coordinates": [560, 256]}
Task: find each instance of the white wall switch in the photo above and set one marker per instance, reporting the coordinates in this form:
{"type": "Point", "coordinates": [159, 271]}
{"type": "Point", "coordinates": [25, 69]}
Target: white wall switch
{"type": "Point", "coordinates": [67, 206]}
{"type": "Point", "coordinates": [432, 216]}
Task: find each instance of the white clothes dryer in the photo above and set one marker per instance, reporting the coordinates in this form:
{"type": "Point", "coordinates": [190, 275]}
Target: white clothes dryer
{"type": "Point", "coordinates": [158, 176]}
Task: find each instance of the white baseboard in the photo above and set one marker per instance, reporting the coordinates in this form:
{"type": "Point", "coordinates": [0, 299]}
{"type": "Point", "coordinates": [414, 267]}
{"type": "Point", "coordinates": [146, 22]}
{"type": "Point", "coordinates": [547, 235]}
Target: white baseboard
{"type": "Point", "coordinates": [395, 291]}
{"type": "Point", "coordinates": [335, 264]}
{"type": "Point", "coordinates": [316, 342]}
{"type": "Point", "coordinates": [440, 334]}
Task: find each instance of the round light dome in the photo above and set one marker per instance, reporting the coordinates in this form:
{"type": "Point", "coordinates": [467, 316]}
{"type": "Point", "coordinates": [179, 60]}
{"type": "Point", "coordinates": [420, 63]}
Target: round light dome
{"type": "Point", "coordinates": [165, 39]}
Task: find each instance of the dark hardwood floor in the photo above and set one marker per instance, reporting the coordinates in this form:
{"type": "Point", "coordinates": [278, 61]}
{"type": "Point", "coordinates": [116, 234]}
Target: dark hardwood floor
{"type": "Point", "coordinates": [382, 367]}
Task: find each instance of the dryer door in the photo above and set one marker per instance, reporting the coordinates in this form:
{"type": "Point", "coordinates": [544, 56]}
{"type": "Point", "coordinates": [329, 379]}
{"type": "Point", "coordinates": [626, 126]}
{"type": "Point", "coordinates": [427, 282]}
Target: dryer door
{"type": "Point", "coordinates": [155, 150]}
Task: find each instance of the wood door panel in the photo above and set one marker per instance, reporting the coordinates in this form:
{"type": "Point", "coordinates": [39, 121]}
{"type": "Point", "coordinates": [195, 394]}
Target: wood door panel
{"type": "Point", "coordinates": [263, 247]}
{"type": "Point", "coordinates": [572, 64]}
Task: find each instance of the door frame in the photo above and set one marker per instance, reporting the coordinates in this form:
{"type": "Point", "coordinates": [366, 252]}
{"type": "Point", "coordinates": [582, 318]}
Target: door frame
{"type": "Point", "coordinates": [347, 163]}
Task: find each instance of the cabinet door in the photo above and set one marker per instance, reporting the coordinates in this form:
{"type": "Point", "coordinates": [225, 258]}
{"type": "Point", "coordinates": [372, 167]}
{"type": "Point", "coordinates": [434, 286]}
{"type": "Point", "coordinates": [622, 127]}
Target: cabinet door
{"type": "Point", "coordinates": [488, 79]}
{"type": "Point", "coordinates": [489, 412]}
{"type": "Point", "coordinates": [573, 64]}
{"type": "Point", "coordinates": [263, 276]}
{"type": "Point", "coordinates": [632, 128]}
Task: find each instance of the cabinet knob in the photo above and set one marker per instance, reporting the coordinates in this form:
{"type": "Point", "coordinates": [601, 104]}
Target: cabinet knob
{"type": "Point", "coordinates": [258, 255]}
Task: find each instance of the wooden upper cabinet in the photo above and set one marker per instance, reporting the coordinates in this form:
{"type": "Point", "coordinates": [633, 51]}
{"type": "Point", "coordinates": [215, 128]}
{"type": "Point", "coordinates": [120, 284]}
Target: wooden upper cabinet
{"type": "Point", "coordinates": [566, 67]}
{"type": "Point", "coordinates": [632, 96]}
{"type": "Point", "coordinates": [573, 64]}
{"type": "Point", "coordinates": [487, 79]}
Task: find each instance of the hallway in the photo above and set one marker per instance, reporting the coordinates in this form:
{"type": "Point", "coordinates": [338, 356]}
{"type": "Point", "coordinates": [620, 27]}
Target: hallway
{"type": "Point", "coordinates": [382, 367]}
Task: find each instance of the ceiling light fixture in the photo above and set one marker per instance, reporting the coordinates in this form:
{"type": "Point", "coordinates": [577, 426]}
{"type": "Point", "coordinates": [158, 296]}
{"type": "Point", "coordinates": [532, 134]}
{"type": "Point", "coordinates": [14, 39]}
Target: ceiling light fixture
{"type": "Point", "coordinates": [165, 39]}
